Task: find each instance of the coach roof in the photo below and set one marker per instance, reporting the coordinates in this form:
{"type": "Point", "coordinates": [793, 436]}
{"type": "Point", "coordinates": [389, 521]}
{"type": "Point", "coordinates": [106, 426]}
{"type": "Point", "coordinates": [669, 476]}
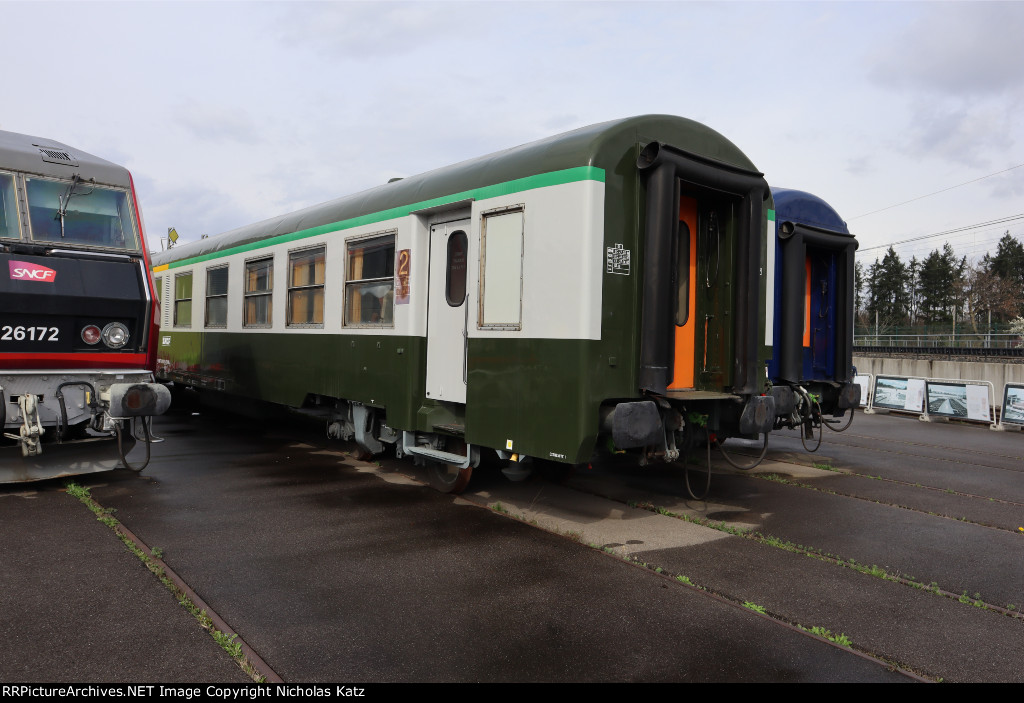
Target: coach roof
{"type": "Point", "coordinates": [611, 146]}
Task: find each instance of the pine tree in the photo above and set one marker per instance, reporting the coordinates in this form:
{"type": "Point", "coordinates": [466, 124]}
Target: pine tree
{"type": "Point", "coordinates": [1008, 266]}
{"type": "Point", "coordinates": [887, 291]}
{"type": "Point", "coordinates": [941, 286]}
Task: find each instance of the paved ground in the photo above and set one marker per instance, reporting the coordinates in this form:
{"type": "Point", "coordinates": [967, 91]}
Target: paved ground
{"type": "Point", "coordinates": [76, 606]}
{"type": "Point", "coordinates": [333, 569]}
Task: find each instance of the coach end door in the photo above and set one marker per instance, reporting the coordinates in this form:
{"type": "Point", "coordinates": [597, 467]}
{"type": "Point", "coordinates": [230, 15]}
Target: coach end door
{"type": "Point", "coordinates": [447, 312]}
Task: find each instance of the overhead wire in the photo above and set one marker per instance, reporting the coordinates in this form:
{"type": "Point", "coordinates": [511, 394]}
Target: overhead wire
{"type": "Point", "coordinates": [999, 221]}
{"type": "Point", "coordinates": [928, 195]}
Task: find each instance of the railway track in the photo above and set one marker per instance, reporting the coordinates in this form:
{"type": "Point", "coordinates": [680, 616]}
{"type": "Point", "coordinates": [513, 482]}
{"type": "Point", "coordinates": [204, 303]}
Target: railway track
{"type": "Point", "coordinates": [944, 352]}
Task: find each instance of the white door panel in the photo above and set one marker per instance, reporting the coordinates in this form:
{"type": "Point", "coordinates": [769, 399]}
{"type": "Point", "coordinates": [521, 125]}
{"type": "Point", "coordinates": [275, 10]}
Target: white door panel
{"type": "Point", "coordinates": [447, 312]}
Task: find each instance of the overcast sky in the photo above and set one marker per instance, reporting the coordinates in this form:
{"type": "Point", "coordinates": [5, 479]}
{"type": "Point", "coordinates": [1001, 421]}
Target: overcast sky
{"type": "Point", "coordinates": [232, 112]}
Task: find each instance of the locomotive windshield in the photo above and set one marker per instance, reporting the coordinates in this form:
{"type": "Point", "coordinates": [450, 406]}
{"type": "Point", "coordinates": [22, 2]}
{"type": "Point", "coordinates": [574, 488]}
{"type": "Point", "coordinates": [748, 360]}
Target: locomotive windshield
{"type": "Point", "coordinates": [8, 208]}
{"type": "Point", "coordinates": [80, 213]}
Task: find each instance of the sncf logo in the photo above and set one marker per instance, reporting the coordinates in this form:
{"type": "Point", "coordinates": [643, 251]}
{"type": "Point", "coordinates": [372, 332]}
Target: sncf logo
{"type": "Point", "coordinates": [24, 271]}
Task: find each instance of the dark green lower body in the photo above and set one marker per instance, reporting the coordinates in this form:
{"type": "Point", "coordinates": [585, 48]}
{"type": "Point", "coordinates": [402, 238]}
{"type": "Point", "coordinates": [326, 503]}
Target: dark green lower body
{"type": "Point", "coordinates": [537, 398]}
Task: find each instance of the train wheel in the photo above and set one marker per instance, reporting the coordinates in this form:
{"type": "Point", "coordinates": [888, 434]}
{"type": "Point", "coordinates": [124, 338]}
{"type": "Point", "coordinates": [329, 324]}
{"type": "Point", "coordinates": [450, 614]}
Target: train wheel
{"type": "Point", "coordinates": [449, 478]}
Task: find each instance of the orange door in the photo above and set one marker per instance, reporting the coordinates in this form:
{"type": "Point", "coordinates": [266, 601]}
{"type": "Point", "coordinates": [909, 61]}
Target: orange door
{"type": "Point", "coordinates": [686, 302]}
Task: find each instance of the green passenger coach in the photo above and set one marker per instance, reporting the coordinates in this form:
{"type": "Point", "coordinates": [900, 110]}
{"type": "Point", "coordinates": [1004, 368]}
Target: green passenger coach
{"type": "Point", "coordinates": [606, 283]}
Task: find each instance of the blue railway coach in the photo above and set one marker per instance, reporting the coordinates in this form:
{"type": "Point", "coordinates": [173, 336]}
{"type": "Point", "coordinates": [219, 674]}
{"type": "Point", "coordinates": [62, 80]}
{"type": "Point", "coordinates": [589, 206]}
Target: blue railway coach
{"type": "Point", "coordinates": [811, 369]}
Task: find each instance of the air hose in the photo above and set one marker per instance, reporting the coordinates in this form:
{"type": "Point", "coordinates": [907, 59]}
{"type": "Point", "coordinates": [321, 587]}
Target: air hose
{"type": "Point", "coordinates": [118, 429]}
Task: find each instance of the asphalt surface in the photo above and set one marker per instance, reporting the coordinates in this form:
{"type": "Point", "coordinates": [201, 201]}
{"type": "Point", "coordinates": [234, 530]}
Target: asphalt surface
{"type": "Point", "coordinates": [884, 505]}
{"type": "Point", "coordinates": [76, 606]}
{"type": "Point", "coordinates": [333, 569]}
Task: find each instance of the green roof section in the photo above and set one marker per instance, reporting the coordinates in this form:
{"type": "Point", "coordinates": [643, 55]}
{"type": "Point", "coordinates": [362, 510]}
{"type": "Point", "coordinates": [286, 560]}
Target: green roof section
{"type": "Point", "coordinates": [543, 180]}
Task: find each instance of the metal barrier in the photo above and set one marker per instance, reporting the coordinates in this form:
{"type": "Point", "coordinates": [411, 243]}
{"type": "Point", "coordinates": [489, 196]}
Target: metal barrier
{"type": "Point", "coordinates": [981, 340]}
{"type": "Point", "coordinates": [865, 387]}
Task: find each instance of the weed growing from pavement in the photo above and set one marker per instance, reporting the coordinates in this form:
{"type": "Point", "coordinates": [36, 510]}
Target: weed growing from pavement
{"type": "Point", "coordinates": [776, 478]}
{"type": "Point", "coordinates": [223, 639]}
{"type": "Point", "coordinates": [872, 570]}
{"type": "Point", "coordinates": [839, 639]}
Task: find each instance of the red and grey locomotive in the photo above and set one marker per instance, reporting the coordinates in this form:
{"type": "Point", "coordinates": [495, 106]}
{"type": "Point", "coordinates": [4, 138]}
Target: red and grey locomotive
{"type": "Point", "coordinates": [78, 311]}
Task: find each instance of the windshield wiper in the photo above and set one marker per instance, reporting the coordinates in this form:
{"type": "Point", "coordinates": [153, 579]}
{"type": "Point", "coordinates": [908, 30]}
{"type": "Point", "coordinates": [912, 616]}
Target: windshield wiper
{"type": "Point", "coordinates": [63, 200]}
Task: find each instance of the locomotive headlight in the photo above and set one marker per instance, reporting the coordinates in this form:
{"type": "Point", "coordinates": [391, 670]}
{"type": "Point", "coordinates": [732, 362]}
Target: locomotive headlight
{"type": "Point", "coordinates": [115, 335]}
{"type": "Point", "coordinates": [90, 334]}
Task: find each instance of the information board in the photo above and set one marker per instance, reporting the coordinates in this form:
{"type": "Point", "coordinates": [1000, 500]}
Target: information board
{"type": "Point", "coordinates": [897, 393]}
{"type": "Point", "coordinates": [963, 400]}
{"type": "Point", "coordinates": [1013, 403]}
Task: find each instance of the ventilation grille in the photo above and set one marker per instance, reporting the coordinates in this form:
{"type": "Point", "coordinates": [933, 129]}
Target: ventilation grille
{"type": "Point", "coordinates": [57, 156]}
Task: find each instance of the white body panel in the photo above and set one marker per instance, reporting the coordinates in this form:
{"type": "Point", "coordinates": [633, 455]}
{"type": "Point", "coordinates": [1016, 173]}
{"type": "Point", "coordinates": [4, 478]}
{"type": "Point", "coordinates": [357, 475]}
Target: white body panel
{"type": "Point", "coordinates": [562, 270]}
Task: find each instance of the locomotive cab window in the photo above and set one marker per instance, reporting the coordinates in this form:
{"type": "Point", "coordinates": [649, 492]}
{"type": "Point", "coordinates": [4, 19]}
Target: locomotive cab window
{"type": "Point", "coordinates": [158, 285]}
{"type": "Point", "coordinates": [501, 269]}
{"type": "Point", "coordinates": [370, 282]}
{"type": "Point", "coordinates": [259, 290]}
{"type": "Point", "coordinates": [217, 297]}
{"type": "Point", "coordinates": [306, 287]}
{"type": "Point", "coordinates": [8, 208]}
{"type": "Point", "coordinates": [80, 213]}
{"type": "Point", "coordinates": [183, 300]}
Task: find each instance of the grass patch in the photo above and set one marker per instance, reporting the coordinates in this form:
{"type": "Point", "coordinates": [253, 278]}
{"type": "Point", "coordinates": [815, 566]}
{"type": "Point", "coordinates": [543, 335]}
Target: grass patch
{"type": "Point", "coordinates": [839, 639]}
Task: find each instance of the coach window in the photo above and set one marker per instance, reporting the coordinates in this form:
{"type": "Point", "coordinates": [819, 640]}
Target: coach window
{"type": "Point", "coordinates": [370, 282]}
{"type": "Point", "coordinates": [501, 269]}
{"type": "Point", "coordinates": [183, 300]}
{"type": "Point", "coordinates": [259, 288]}
{"type": "Point", "coordinates": [306, 287]}
{"type": "Point", "coordinates": [682, 275]}
{"type": "Point", "coordinates": [158, 285]}
{"type": "Point", "coordinates": [217, 297]}
{"type": "Point", "coordinates": [8, 208]}
{"type": "Point", "coordinates": [455, 285]}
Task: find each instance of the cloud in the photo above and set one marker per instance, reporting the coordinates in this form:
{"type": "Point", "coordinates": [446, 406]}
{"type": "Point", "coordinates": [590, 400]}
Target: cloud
{"type": "Point", "coordinates": [964, 134]}
{"type": "Point", "coordinates": [1008, 186]}
{"type": "Point", "coordinates": [362, 30]}
{"type": "Point", "coordinates": [217, 123]}
{"type": "Point", "coordinates": [192, 210]}
{"type": "Point", "coordinates": [956, 49]}
{"type": "Point", "coordinates": [860, 166]}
